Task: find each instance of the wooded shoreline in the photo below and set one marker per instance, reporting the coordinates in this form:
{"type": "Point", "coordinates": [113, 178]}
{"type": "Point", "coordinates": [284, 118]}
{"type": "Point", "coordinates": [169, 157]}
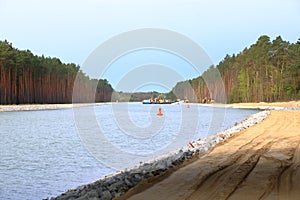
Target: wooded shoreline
{"type": "Point", "coordinates": [267, 71]}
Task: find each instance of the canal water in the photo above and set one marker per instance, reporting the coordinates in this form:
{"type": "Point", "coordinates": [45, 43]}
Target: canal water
{"type": "Point", "coordinates": [45, 153]}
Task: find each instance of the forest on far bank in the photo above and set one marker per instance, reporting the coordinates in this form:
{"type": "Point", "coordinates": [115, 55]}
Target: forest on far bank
{"type": "Point", "coordinates": [267, 71]}
{"type": "Point", "coordinates": [29, 79]}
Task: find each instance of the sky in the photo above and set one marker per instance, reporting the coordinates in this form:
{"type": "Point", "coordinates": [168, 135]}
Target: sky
{"type": "Point", "coordinates": [72, 29]}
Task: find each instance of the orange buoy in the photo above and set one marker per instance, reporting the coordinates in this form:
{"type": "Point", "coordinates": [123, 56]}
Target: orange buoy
{"type": "Point", "coordinates": [159, 112]}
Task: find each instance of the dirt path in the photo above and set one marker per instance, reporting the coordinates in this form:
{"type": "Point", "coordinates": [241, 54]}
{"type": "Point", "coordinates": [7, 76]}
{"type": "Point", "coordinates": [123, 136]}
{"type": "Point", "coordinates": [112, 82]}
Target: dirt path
{"type": "Point", "coordinates": [262, 162]}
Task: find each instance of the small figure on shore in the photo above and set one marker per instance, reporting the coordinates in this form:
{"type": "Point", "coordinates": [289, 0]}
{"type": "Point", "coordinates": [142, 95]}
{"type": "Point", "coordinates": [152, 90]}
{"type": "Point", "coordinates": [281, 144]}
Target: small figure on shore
{"type": "Point", "coordinates": [209, 100]}
{"type": "Point", "coordinates": [191, 145]}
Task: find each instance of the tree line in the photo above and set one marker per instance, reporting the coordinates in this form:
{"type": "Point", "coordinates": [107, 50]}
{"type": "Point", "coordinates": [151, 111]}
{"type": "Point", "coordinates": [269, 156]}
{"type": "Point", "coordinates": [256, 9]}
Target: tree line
{"type": "Point", "coordinates": [267, 71]}
{"type": "Point", "coordinates": [28, 79]}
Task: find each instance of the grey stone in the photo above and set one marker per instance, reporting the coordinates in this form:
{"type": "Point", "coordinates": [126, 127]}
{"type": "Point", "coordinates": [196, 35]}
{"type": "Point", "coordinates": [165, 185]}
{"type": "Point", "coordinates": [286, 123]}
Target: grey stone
{"type": "Point", "coordinates": [106, 195]}
{"type": "Point", "coordinates": [148, 175]}
{"type": "Point", "coordinates": [118, 194]}
{"type": "Point", "coordinates": [92, 194]}
{"type": "Point", "coordinates": [116, 185]}
{"type": "Point", "coordinates": [93, 198]}
{"type": "Point", "coordinates": [82, 192]}
{"type": "Point", "coordinates": [128, 183]}
{"type": "Point", "coordinates": [137, 177]}
{"type": "Point", "coordinates": [68, 195]}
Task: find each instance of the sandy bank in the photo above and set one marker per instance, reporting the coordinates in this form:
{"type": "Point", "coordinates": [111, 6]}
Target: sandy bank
{"type": "Point", "coordinates": [264, 105]}
{"type": "Point", "coordinates": [291, 105]}
{"type": "Point", "coordinates": [261, 162]}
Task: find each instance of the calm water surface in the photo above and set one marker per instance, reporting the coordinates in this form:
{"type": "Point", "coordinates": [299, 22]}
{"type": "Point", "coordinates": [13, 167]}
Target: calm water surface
{"type": "Point", "coordinates": [41, 154]}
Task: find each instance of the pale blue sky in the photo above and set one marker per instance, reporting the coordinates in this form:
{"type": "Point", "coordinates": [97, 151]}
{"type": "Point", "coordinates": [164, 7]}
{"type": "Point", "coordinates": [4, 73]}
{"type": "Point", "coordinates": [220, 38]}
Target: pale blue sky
{"type": "Point", "coordinates": [72, 29]}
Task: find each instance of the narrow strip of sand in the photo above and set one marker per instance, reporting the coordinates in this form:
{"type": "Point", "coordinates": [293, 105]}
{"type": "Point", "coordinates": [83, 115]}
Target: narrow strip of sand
{"type": "Point", "coordinates": [261, 162]}
{"type": "Point", "coordinates": [31, 107]}
{"type": "Point", "coordinates": [265, 105]}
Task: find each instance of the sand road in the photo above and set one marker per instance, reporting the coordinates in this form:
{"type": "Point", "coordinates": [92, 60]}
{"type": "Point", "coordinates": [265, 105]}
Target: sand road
{"type": "Point", "coordinates": [261, 162]}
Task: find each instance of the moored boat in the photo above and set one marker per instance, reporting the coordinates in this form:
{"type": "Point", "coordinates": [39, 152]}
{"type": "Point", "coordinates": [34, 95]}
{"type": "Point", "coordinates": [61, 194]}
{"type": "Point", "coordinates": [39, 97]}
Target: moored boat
{"type": "Point", "coordinates": [148, 101]}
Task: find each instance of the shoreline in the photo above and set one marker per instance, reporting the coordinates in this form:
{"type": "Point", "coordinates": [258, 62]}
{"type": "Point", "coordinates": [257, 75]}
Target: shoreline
{"type": "Point", "coordinates": [293, 105]}
{"type": "Point", "coordinates": [117, 184]}
{"type": "Point", "coordinates": [35, 107]}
